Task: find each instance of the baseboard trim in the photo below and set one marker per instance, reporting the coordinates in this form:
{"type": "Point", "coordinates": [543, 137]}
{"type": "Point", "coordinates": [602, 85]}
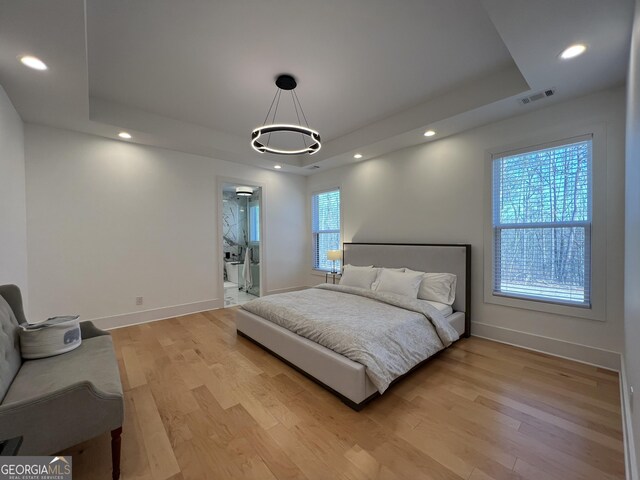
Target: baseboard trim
{"type": "Point", "coordinates": [145, 316]}
{"type": "Point", "coordinates": [286, 290]}
{"type": "Point", "coordinates": [627, 426]}
{"type": "Point", "coordinates": [573, 351]}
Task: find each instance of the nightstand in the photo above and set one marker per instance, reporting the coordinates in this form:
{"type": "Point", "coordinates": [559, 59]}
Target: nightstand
{"type": "Point", "coordinates": [332, 276]}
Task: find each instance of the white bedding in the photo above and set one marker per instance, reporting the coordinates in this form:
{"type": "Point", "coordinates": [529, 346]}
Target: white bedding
{"type": "Point", "coordinates": [388, 334]}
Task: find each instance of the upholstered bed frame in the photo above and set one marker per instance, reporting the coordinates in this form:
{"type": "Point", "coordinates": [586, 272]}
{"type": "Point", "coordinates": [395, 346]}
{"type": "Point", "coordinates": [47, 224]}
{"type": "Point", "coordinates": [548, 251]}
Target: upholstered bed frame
{"type": "Point", "coordinates": [342, 376]}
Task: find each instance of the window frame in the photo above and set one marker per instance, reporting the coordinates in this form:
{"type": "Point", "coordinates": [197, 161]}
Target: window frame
{"type": "Point", "coordinates": [251, 223]}
{"type": "Point", "coordinates": [314, 234]}
{"type": "Point", "coordinates": [596, 230]}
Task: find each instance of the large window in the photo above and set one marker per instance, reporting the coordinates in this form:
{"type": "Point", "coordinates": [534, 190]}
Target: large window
{"type": "Point", "coordinates": [542, 223]}
{"type": "Point", "coordinates": [325, 228]}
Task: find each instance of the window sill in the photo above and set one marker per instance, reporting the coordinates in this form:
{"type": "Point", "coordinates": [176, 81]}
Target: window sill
{"type": "Point", "coordinates": [597, 314]}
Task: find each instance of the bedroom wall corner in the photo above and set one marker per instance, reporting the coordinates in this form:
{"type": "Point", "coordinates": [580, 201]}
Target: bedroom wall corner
{"type": "Point", "coordinates": [631, 378]}
{"type": "Point", "coordinates": [13, 213]}
{"type": "Point", "coordinates": [435, 193]}
{"type": "Point", "coordinates": [110, 221]}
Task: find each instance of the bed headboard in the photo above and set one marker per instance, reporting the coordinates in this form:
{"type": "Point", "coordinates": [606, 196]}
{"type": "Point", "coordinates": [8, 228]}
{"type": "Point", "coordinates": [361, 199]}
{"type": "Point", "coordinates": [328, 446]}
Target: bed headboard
{"type": "Point", "coordinates": [454, 258]}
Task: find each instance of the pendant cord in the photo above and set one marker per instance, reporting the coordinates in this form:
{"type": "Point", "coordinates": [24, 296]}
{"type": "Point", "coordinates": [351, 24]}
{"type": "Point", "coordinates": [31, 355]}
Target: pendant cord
{"type": "Point", "coordinates": [275, 111]}
{"type": "Point", "coordinates": [303, 115]}
{"type": "Point", "coordinates": [304, 140]}
{"type": "Point", "coordinates": [270, 107]}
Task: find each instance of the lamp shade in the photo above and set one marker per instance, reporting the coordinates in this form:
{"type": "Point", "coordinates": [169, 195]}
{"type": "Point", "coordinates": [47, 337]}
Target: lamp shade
{"type": "Point", "coordinates": [334, 255]}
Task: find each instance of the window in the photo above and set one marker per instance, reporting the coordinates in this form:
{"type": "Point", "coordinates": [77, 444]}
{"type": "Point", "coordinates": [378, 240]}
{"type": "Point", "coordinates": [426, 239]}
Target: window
{"type": "Point", "coordinates": [541, 201]}
{"type": "Point", "coordinates": [325, 228]}
{"type": "Point", "coordinates": [254, 223]}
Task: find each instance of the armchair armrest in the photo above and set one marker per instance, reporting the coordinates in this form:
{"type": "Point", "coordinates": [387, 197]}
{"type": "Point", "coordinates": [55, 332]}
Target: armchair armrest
{"type": "Point", "coordinates": [89, 330]}
{"type": "Point", "coordinates": [57, 420]}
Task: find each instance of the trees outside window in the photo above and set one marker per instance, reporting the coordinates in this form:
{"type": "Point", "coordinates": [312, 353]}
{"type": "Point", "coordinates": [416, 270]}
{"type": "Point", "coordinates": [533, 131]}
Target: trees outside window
{"type": "Point", "coordinates": [325, 228]}
{"type": "Point", "coordinates": [542, 223]}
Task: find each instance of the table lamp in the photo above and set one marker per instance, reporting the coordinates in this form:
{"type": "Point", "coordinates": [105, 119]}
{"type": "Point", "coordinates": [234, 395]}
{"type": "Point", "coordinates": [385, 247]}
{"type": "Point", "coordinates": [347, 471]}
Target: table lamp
{"type": "Point", "coordinates": [334, 255]}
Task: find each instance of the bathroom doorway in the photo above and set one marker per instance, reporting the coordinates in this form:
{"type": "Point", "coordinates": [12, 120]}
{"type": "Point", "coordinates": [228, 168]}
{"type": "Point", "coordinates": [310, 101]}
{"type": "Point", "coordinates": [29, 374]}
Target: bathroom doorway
{"type": "Point", "coordinates": [241, 242]}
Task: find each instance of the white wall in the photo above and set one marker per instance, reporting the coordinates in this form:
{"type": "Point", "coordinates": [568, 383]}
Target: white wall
{"type": "Point", "coordinates": [434, 193]}
{"type": "Point", "coordinates": [109, 221]}
{"type": "Point", "coordinates": [13, 216]}
{"type": "Point", "coordinates": [632, 231]}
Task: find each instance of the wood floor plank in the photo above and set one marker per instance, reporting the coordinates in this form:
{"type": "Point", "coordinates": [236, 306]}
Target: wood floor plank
{"type": "Point", "coordinates": [202, 403]}
{"type": "Point", "coordinates": [162, 460]}
{"type": "Point", "coordinates": [135, 374]}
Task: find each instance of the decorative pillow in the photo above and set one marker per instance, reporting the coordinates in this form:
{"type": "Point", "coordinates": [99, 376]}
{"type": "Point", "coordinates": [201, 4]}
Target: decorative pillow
{"type": "Point", "coordinates": [400, 283]}
{"type": "Point", "coordinates": [361, 277]}
{"type": "Point", "coordinates": [438, 287]}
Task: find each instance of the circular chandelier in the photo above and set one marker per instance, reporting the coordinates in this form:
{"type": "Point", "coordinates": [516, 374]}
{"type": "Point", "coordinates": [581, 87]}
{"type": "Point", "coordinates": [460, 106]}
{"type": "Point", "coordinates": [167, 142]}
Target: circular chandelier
{"type": "Point", "coordinates": [310, 138]}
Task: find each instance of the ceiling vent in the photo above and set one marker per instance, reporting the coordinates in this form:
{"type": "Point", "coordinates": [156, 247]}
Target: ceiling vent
{"type": "Point", "coordinates": [537, 96]}
{"type": "Point", "coordinates": [313, 167]}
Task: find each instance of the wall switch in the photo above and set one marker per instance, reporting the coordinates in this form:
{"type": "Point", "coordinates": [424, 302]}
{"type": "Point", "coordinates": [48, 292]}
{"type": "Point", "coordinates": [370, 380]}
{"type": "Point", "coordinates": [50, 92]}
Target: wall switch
{"type": "Point", "coordinates": [138, 300]}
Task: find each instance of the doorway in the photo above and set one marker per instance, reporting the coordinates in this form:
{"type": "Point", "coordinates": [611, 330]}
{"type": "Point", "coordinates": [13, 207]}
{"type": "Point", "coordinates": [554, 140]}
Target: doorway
{"type": "Point", "coordinates": [241, 242]}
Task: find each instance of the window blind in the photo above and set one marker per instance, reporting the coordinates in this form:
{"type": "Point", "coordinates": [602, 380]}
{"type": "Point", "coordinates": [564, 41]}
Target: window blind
{"type": "Point", "coordinates": [542, 223]}
{"type": "Point", "coordinates": [325, 228]}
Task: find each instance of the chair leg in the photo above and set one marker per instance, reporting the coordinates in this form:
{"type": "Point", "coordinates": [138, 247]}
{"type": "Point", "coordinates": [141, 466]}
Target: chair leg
{"type": "Point", "coordinates": [115, 452]}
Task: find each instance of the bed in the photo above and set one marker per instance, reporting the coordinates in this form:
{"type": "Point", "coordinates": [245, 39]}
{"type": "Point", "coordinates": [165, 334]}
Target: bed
{"type": "Point", "coordinates": [344, 377]}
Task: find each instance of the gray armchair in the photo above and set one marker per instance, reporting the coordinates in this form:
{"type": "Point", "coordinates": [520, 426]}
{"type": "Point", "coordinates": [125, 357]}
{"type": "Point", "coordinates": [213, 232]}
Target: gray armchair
{"type": "Point", "coordinates": [57, 402]}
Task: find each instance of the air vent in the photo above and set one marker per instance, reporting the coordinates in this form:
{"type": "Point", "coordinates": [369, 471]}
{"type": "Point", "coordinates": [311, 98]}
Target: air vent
{"type": "Point", "coordinates": [537, 96]}
{"type": "Point", "coordinates": [313, 167]}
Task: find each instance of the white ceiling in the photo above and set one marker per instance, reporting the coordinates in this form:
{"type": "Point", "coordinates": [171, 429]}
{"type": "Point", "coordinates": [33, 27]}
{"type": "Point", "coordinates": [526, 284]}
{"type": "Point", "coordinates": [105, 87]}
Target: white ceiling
{"type": "Point", "coordinates": [214, 63]}
{"type": "Point", "coordinates": [373, 74]}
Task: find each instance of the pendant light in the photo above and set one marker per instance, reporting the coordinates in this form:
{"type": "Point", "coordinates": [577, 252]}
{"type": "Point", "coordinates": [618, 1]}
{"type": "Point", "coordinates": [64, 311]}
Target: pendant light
{"type": "Point", "coordinates": [310, 138]}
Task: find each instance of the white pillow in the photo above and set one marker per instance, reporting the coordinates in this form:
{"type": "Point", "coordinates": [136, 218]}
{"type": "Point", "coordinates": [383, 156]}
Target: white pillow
{"type": "Point", "coordinates": [374, 285]}
{"type": "Point", "coordinates": [361, 277]}
{"type": "Point", "coordinates": [400, 283]}
{"type": "Point", "coordinates": [438, 287]}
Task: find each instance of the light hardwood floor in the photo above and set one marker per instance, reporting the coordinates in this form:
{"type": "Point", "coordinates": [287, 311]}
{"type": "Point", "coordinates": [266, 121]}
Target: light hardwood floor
{"type": "Point", "coordinates": [203, 403]}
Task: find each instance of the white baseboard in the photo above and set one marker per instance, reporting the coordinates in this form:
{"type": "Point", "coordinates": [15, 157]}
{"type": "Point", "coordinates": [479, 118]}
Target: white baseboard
{"type": "Point", "coordinates": [627, 426]}
{"type": "Point", "coordinates": [286, 290]}
{"type": "Point", "coordinates": [134, 318]}
{"type": "Point", "coordinates": [559, 348]}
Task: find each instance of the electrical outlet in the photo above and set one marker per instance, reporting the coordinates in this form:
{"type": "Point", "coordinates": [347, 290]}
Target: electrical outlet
{"type": "Point", "coordinates": [138, 300]}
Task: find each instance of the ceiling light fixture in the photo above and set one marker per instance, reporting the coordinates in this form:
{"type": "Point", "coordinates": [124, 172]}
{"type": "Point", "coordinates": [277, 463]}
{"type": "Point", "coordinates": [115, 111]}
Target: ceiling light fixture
{"type": "Point", "coordinates": [277, 167]}
{"type": "Point", "coordinates": [429, 133]}
{"type": "Point", "coordinates": [244, 191]}
{"type": "Point", "coordinates": [573, 51]}
{"type": "Point", "coordinates": [357, 156]}
{"type": "Point", "coordinates": [125, 135]}
{"type": "Point", "coordinates": [310, 138]}
{"type": "Point", "coordinates": [33, 62]}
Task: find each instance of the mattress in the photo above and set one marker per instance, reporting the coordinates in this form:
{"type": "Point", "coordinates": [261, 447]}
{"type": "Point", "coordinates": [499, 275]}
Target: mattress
{"type": "Point", "coordinates": [443, 308]}
{"type": "Point", "coordinates": [457, 321]}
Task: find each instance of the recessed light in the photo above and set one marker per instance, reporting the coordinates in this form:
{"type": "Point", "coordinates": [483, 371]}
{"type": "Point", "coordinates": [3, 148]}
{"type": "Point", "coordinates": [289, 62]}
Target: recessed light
{"type": "Point", "coordinates": [429, 133]}
{"type": "Point", "coordinates": [573, 51]}
{"type": "Point", "coordinates": [277, 167]}
{"type": "Point", "coordinates": [357, 155]}
{"type": "Point", "coordinates": [33, 62]}
{"type": "Point", "coordinates": [124, 135]}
